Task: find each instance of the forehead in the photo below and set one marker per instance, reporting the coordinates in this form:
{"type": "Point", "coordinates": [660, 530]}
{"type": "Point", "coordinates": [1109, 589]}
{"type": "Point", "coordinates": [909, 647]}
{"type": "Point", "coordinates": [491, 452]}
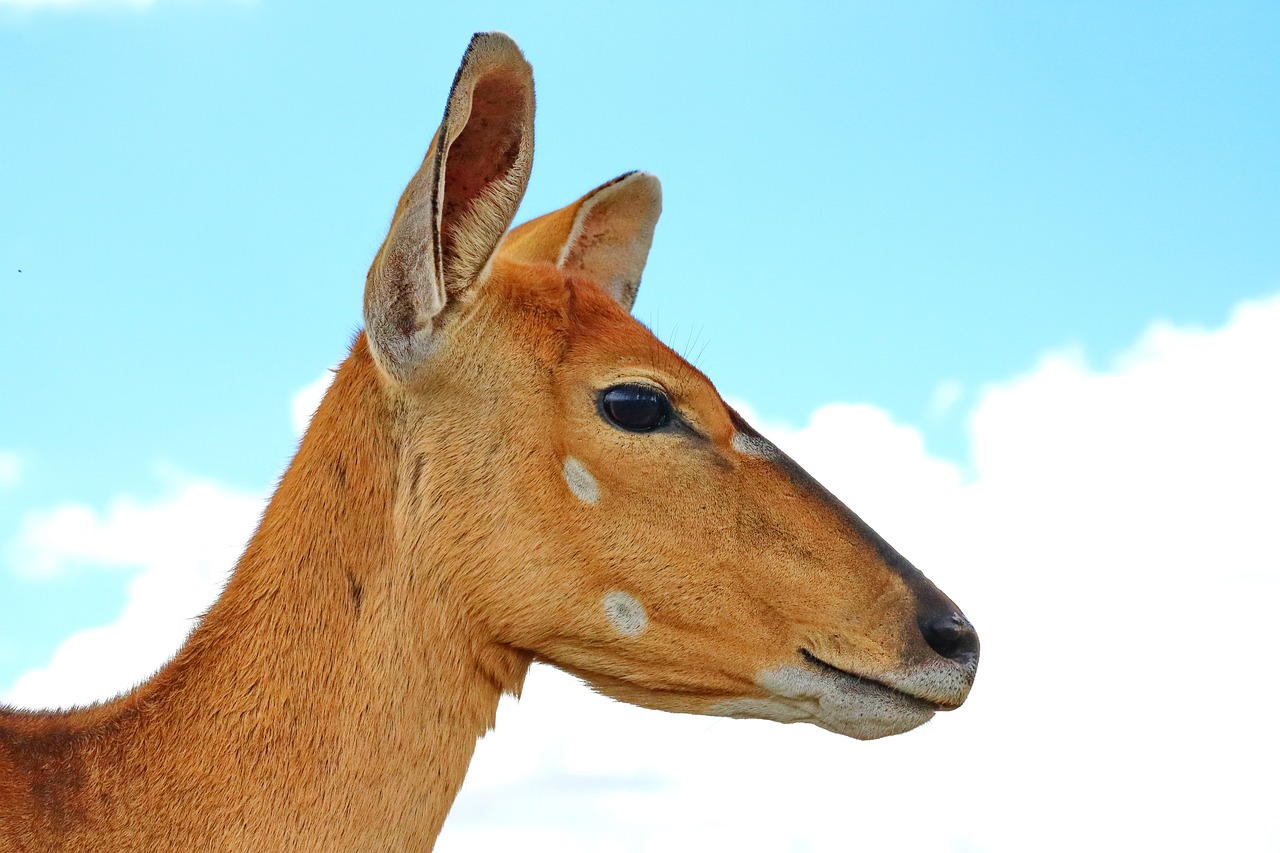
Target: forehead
{"type": "Point", "coordinates": [582, 334]}
{"type": "Point", "coordinates": [583, 322]}
{"type": "Point", "coordinates": [604, 339]}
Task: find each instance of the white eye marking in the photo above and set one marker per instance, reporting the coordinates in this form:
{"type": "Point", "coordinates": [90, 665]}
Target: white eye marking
{"type": "Point", "coordinates": [625, 613]}
{"type": "Point", "coordinates": [580, 481]}
{"type": "Point", "coordinates": [754, 445]}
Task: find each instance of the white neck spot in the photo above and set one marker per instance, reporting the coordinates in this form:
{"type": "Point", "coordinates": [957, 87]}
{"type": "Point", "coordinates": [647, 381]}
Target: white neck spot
{"type": "Point", "coordinates": [625, 613]}
{"type": "Point", "coordinates": [580, 481]}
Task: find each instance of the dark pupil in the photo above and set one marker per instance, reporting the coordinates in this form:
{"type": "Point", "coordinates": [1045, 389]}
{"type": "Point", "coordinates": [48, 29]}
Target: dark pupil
{"type": "Point", "coordinates": [635, 407]}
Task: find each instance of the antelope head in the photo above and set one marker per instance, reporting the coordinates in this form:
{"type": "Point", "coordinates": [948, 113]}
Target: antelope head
{"type": "Point", "coordinates": [618, 519]}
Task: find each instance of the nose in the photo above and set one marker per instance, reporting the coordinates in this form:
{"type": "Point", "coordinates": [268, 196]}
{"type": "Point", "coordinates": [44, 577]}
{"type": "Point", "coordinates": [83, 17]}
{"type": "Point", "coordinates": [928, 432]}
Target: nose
{"type": "Point", "coordinates": [950, 634]}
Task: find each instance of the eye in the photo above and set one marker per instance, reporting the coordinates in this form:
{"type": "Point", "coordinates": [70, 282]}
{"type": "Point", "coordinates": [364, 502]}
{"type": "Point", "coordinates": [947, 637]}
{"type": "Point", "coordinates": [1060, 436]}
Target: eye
{"type": "Point", "coordinates": [635, 408]}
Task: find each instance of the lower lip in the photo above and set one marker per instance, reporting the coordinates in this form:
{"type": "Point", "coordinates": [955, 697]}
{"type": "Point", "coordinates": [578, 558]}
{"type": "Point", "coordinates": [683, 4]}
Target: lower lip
{"type": "Point", "coordinates": [817, 662]}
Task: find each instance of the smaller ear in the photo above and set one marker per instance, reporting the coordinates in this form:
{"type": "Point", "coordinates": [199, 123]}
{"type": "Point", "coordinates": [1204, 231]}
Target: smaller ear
{"type": "Point", "coordinates": [604, 236]}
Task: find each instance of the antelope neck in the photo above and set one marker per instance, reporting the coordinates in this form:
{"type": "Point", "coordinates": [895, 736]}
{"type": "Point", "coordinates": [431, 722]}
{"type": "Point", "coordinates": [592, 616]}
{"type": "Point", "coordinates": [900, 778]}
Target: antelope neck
{"type": "Point", "coordinates": [305, 712]}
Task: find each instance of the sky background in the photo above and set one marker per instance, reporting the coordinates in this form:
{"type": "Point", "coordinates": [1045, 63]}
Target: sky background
{"type": "Point", "coordinates": [1005, 276]}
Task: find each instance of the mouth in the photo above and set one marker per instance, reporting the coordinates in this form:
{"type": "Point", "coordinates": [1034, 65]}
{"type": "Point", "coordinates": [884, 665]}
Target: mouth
{"type": "Point", "coordinates": [864, 683]}
{"type": "Point", "coordinates": [811, 690]}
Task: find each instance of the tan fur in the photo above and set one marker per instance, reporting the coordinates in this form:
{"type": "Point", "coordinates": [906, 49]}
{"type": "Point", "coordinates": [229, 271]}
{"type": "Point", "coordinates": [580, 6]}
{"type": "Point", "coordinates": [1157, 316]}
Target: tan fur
{"type": "Point", "coordinates": [423, 547]}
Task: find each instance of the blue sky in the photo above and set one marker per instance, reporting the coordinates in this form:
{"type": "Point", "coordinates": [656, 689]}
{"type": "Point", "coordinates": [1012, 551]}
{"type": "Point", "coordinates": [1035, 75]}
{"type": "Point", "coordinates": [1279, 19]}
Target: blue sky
{"type": "Point", "coordinates": [895, 205]}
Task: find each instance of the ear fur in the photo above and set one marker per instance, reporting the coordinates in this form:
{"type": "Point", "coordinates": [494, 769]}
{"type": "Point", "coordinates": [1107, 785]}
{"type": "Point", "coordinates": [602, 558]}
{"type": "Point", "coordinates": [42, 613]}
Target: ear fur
{"type": "Point", "coordinates": [604, 236]}
{"type": "Point", "coordinates": [454, 211]}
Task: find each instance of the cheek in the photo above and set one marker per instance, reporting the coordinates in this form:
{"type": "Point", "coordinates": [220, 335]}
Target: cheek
{"type": "Point", "coordinates": [625, 613]}
{"type": "Point", "coordinates": [580, 481]}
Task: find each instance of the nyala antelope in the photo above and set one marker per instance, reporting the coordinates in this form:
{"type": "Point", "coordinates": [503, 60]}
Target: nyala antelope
{"type": "Point", "coordinates": [507, 468]}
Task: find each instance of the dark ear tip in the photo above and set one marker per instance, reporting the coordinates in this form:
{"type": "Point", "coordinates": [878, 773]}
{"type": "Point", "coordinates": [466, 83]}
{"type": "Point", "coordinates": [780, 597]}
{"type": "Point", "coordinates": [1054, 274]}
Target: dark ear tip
{"type": "Point", "coordinates": [495, 47]}
{"type": "Point", "coordinates": [649, 181]}
{"type": "Point", "coordinates": [634, 184]}
{"type": "Point", "coordinates": [641, 178]}
{"type": "Point", "coordinates": [493, 37]}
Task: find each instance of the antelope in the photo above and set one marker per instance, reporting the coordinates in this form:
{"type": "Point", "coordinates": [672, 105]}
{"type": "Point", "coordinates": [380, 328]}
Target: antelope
{"type": "Point", "coordinates": [506, 468]}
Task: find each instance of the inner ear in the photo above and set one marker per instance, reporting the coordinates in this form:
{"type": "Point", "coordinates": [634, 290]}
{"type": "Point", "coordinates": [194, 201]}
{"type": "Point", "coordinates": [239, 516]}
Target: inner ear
{"type": "Point", "coordinates": [612, 232]}
{"type": "Point", "coordinates": [604, 236]}
{"type": "Point", "coordinates": [481, 176]}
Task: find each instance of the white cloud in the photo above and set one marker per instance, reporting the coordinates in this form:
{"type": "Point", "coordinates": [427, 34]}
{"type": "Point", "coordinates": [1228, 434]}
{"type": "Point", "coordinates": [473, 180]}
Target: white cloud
{"type": "Point", "coordinates": [10, 469]}
{"type": "Point", "coordinates": [1115, 544]}
{"type": "Point", "coordinates": [197, 524]}
{"type": "Point", "coordinates": [304, 402]}
{"type": "Point", "coordinates": [180, 548]}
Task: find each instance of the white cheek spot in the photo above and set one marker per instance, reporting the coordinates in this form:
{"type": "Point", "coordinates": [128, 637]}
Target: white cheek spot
{"type": "Point", "coordinates": [580, 481]}
{"type": "Point", "coordinates": [754, 445]}
{"type": "Point", "coordinates": [625, 613]}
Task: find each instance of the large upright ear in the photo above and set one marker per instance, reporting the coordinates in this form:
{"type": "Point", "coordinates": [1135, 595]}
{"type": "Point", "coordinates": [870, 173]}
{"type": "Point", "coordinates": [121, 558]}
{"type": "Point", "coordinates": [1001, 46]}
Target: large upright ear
{"type": "Point", "coordinates": [456, 208]}
{"type": "Point", "coordinates": [604, 236]}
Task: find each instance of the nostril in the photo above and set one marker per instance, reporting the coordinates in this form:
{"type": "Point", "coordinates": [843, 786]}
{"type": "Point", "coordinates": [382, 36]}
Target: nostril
{"type": "Point", "coordinates": [950, 635]}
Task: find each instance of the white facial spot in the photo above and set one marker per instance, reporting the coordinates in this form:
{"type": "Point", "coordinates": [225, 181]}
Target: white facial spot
{"type": "Point", "coordinates": [625, 613]}
{"type": "Point", "coordinates": [580, 481]}
{"type": "Point", "coordinates": [754, 445]}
